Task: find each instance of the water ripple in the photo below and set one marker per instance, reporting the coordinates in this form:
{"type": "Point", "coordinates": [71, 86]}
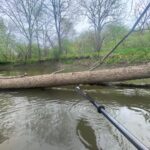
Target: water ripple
{"type": "Point", "coordinates": [56, 120]}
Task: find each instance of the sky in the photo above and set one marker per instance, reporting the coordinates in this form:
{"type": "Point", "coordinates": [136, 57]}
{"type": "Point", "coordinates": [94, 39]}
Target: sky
{"type": "Point", "coordinates": [129, 19]}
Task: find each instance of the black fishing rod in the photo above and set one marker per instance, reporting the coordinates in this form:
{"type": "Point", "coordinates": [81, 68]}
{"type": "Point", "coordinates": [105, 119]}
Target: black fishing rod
{"type": "Point", "coordinates": [121, 128]}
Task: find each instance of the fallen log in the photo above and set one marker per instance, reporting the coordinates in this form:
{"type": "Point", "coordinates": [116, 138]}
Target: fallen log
{"type": "Point", "coordinates": [74, 78]}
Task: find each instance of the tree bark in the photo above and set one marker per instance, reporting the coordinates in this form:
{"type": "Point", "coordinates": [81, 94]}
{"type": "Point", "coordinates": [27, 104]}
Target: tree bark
{"type": "Point", "coordinates": [98, 40]}
{"type": "Point", "coordinates": [74, 78]}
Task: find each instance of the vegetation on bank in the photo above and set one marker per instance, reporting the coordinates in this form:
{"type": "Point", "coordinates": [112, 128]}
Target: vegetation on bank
{"type": "Point", "coordinates": [40, 30]}
{"type": "Point", "coordinates": [135, 49]}
{"type": "Point", "coordinates": [121, 56]}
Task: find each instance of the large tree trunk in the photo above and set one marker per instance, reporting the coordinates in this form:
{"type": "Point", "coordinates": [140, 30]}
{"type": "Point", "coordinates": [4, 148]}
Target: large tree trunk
{"type": "Point", "coordinates": [85, 77]}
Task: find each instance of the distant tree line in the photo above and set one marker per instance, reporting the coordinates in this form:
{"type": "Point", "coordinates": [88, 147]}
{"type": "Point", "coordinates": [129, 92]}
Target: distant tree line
{"type": "Point", "coordinates": [42, 29]}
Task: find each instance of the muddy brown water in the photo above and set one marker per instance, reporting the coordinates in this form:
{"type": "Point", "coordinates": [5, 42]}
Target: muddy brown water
{"type": "Point", "coordinates": [59, 119]}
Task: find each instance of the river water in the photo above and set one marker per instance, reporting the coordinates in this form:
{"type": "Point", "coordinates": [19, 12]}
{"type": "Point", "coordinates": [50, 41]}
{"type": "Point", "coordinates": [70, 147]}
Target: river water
{"type": "Point", "coordinates": [59, 119]}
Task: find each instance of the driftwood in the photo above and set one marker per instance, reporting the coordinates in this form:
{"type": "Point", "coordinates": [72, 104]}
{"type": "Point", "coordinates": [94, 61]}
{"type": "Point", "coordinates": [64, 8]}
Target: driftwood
{"type": "Point", "coordinates": [74, 78]}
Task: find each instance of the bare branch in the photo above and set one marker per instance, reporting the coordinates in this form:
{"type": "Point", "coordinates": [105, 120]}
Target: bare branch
{"type": "Point", "coordinates": [100, 13]}
{"type": "Point", "coordinates": [24, 14]}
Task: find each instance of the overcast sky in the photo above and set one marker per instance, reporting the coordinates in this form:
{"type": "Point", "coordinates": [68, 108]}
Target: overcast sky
{"type": "Point", "coordinates": [128, 20]}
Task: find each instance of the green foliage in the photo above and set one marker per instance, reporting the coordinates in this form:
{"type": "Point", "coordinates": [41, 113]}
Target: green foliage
{"type": "Point", "coordinates": [113, 33]}
{"type": "Point", "coordinates": [135, 49]}
{"type": "Point", "coordinates": [54, 53]}
{"type": "Point", "coordinates": [6, 44]}
{"type": "Point", "coordinates": [85, 42]}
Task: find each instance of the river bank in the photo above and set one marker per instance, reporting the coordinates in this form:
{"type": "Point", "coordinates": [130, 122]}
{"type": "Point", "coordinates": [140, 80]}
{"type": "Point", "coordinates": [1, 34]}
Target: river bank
{"type": "Point", "coordinates": [124, 56]}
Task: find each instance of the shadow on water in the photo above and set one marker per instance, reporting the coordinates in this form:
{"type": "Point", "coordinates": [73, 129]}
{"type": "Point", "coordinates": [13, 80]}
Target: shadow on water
{"type": "Point", "coordinates": [30, 69]}
{"type": "Point", "coordinates": [59, 119]}
{"type": "Point", "coordinates": [86, 135]}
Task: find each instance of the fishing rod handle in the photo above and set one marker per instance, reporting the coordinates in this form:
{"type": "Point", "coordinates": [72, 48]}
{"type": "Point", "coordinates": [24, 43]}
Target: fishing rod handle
{"type": "Point", "coordinates": [121, 128]}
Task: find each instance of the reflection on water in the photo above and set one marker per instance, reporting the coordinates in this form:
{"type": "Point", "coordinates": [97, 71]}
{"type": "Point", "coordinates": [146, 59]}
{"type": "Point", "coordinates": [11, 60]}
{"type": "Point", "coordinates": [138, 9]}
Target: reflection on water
{"type": "Point", "coordinates": [61, 120]}
{"type": "Point", "coordinates": [86, 135]}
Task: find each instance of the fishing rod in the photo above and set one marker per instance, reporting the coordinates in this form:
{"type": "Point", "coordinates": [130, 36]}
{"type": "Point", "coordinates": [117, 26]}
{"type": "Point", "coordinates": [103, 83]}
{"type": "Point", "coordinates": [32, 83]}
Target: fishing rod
{"type": "Point", "coordinates": [121, 128]}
